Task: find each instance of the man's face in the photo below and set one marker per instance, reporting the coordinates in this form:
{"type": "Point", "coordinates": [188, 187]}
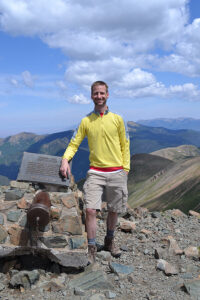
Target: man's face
{"type": "Point", "coordinates": [99, 95]}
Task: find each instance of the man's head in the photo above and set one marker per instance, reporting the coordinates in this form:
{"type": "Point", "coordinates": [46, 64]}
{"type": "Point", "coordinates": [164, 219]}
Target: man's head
{"type": "Point", "coordinates": [99, 95]}
{"type": "Point", "coordinates": [99, 83]}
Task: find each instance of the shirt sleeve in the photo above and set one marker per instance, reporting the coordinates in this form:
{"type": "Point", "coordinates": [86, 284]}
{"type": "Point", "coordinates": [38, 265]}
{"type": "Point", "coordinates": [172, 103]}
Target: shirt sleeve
{"type": "Point", "coordinates": [125, 144]}
{"type": "Point", "coordinates": [75, 142]}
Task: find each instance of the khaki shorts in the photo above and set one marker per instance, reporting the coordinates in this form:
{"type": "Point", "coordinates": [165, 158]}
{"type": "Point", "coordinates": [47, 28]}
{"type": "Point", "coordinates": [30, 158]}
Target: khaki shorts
{"type": "Point", "coordinates": [112, 187]}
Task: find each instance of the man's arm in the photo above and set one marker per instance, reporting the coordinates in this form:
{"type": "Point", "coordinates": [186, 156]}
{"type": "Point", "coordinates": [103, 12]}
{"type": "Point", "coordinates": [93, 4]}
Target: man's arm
{"type": "Point", "coordinates": [125, 144]}
{"type": "Point", "coordinates": [65, 168]}
{"type": "Point", "coordinates": [76, 139]}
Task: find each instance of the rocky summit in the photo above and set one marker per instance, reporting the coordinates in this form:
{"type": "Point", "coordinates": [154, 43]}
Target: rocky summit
{"type": "Point", "coordinates": [160, 254]}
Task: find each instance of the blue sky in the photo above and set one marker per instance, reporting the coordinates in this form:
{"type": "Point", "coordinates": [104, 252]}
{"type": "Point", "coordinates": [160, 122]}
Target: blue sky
{"type": "Point", "coordinates": [52, 50]}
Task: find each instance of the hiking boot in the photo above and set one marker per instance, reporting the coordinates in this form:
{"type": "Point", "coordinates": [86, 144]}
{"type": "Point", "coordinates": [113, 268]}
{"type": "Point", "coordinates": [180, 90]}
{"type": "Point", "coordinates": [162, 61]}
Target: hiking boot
{"type": "Point", "coordinates": [110, 246]}
{"type": "Point", "coordinates": [92, 250]}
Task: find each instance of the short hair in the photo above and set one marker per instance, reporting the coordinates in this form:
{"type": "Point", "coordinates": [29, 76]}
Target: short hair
{"type": "Point", "coordinates": [99, 83]}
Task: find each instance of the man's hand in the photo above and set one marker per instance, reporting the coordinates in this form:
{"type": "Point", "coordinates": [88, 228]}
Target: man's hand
{"type": "Point", "coordinates": [65, 168]}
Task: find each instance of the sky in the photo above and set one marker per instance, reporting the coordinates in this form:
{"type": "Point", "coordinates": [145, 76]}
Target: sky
{"type": "Point", "coordinates": [51, 51]}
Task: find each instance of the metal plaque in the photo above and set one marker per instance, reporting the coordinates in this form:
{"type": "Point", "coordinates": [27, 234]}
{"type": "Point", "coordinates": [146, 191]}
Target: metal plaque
{"type": "Point", "coordinates": [41, 168]}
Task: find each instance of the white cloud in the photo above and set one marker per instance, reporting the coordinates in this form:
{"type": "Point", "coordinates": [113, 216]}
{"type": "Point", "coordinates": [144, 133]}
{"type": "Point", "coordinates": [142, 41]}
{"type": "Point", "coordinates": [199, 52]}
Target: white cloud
{"type": "Point", "coordinates": [115, 41]}
{"type": "Point", "coordinates": [28, 79]}
{"type": "Point", "coordinates": [14, 82]}
{"type": "Point", "coordinates": [62, 85]}
{"type": "Point", "coordinates": [79, 99]}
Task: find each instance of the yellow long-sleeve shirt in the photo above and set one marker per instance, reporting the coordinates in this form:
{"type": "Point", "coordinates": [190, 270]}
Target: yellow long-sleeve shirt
{"type": "Point", "coordinates": [108, 140]}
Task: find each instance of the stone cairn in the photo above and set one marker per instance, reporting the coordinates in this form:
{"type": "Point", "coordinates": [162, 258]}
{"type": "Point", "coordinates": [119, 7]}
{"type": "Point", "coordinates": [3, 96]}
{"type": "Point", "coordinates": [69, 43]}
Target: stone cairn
{"type": "Point", "coordinates": [63, 240]}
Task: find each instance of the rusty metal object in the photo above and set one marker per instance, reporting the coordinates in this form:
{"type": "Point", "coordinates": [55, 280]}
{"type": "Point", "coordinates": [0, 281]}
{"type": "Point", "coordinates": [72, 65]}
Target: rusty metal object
{"type": "Point", "coordinates": [39, 212]}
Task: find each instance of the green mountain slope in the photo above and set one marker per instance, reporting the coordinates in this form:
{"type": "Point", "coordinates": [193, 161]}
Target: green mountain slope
{"type": "Point", "coordinates": [177, 186]}
{"type": "Point", "coordinates": [178, 153]}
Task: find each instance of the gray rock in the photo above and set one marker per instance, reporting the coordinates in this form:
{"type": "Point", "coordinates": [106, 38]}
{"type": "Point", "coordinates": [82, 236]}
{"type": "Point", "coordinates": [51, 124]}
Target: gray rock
{"type": "Point", "coordinates": [104, 255]}
{"type": "Point", "coordinates": [121, 269]}
{"type": "Point", "coordinates": [2, 286]}
{"type": "Point", "coordinates": [54, 241]}
{"type": "Point", "coordinates": [96, 297]}
{"type": "Point", "coordinates": [155, 214]}
{"type": "Point", "coordinates": [14, 215]}
{"type": "Point", "coordinates": [110, 295]}
{"type": "Point", "coordinates": [70, 260]}
{"type": "Point", "coordinates": [1, 219]}
{"type": "Point", "coordinates": [24, 279]}
{"type": "Point", "coordinates": [23, 221]}
{"type": "Point", "coordinates": [169, 269]}
{"type": "Point", "coordinates": [124, 248]}
{"type": "Point", "coordinates": [91, 279]}
{"type": "Point", "coordinates": [77, 242]}
{"type": "Point", "coordinates": [15, 194]}
{"type": "Point", "coordinates": [193, 288]}
{"type": "Point", "coordinates": [3, 234]}
{"type": "Point", "coordinates": [79, 292]}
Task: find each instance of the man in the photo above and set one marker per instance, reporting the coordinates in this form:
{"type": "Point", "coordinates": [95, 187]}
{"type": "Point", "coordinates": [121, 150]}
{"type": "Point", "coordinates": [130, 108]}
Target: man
{"type": "Point", "coordinates": [109, 165]}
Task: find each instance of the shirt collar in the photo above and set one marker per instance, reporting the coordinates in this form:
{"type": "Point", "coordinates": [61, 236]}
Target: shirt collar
{"type": "Point", "coordinates": [105, 112]}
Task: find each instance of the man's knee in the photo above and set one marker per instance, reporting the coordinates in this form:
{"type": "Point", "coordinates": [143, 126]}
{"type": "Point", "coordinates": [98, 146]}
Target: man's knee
{"type": "Point", "coordinates": [90, 212]}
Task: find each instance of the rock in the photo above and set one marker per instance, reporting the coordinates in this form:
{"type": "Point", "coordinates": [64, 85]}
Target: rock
{"type": "Point", "coordinates": [177, 213]}
{"type": "Point", "coordinates": [194, 213]}
{"type": "Point", "coordinates": [70, 224]}
{"type": "Point", "coordinates": [14, 215]}
{"type": "Point", "coordinates": [146, 232]}
{"type": "Point", "coordinates": [96, 297]}
{"type": "Point", "coordinates": [1, 219]}
{"type": "Point", "coordinates": [70, 260]}
{"type": "Point", "coordinates": [120, 269]}
{"type": "Point", "coordinates": [124, 248]}
{"type": "Point", "coordinates": [23, 221]}
{"type": "Point", "coordinates": [24, 279]}
{"type": "Point", "coordinates": [110, 295]}
{"type": "Point", "coordinates": [174, 247]}
{"type": "Point", "coordinates": [22, 203]}
{"type": "Point", "coordinates": [79, 292]}
{"type": "Point", "coordinates": [11, 195]}
{"type": "Point", "coordinates": [52, 286]}
{"type": "Point", "coordinates": [104, 255]}
{"type": "Point", "coordinates": [127, 226]}
{"type": "Point", "coordinates": [54, 241]}
{"type": "Point", "coordinates": [19, 185]}
{"type": "Point", "coordinates": [166, 267]}
{"type": "Point", "coordinates": [3, 234]}
{"type": "Point", "coordinates": [55, 213]}
{"type": "Point", "coordinates": [69, 200]}
{"type": "Point", "coordinates": [155, 214]}
{"type": "Point", "coordinates": [77, 242]}
{"type": "Point", "coordinates": [18, 236]}
{"type": "Point", "coordinates": [192, 252]}
{"type": "Point", "coordinates": [193, 288]}
{"type": "Point", "coordinates": [161, 253]}
{"type": "Point", "coordinates": [91, 279]}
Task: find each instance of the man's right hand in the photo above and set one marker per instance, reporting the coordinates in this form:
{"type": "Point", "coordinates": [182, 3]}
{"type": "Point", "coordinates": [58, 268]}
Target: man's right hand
{"type": "Point", "coordinates": [65, 168]}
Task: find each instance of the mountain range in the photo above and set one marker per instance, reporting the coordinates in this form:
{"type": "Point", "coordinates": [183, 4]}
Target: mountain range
{"type": "Point", "coordinates": [143, 139]}
{"type": "Point", "coordinates": [175, 124]}
{"type": "Point", "coordinates": [164, 171]}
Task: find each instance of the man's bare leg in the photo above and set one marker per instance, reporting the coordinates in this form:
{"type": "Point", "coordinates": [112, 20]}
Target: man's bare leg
{"type": "Point", "coordinates": [91, 223]}
{"type": "Point", "coordinates": [91, 234]}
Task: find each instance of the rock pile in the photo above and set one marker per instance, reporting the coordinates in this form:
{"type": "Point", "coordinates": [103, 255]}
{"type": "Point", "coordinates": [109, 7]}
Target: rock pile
{"type": "Point", "coordinates": [62, 240]}
{"type": "Point", "coordinates": [160, 260]}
